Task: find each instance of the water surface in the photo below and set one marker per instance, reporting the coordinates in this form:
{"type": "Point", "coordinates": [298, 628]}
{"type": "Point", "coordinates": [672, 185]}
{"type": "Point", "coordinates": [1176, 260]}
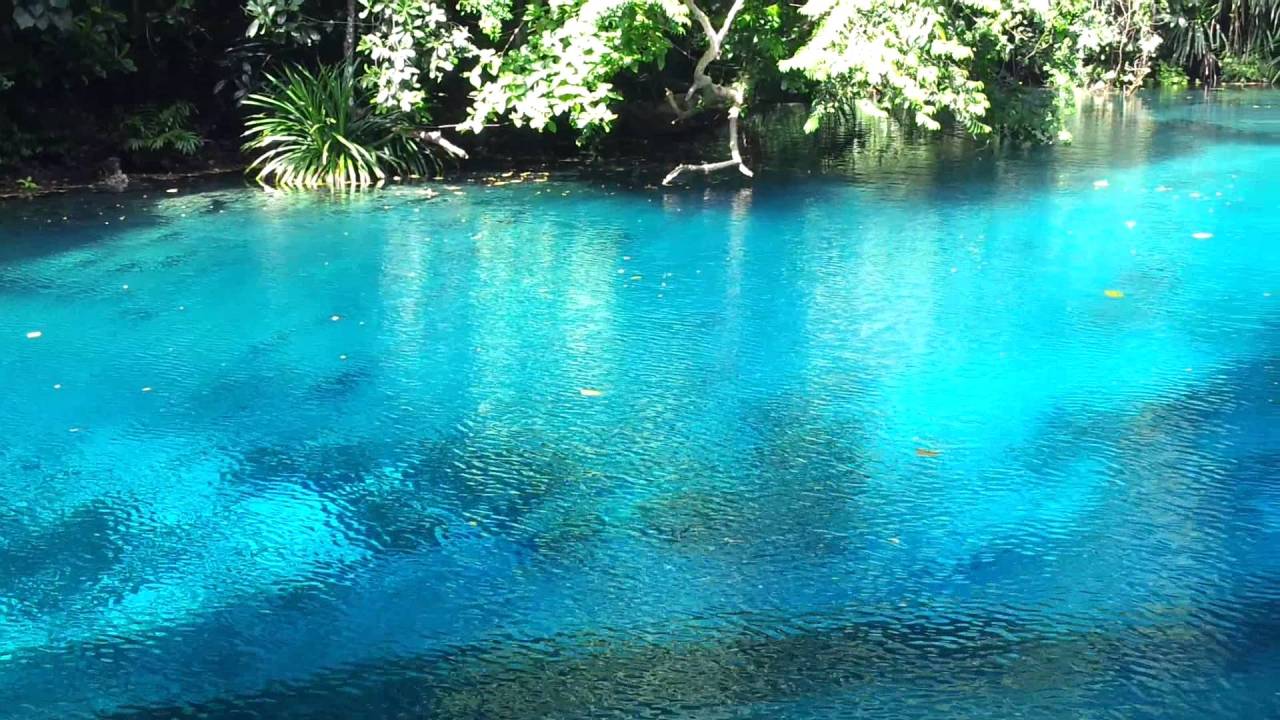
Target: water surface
{"type": "Point", "coordinates": [916, 431]}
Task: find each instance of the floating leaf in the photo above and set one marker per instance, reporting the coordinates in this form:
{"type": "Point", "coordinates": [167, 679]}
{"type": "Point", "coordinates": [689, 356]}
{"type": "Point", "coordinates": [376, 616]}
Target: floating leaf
{"type": "Point", "coordinates": [590, 392]}
{"type": "Point", "coordinates": [927, 453]}
{"type": "Point", "coordinates": [1113, 294]}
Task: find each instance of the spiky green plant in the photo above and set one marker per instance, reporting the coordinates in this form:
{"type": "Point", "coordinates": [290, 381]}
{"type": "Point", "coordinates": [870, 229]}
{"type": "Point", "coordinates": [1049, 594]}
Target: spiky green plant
{"type": "Point", "coordinates": [319, 129]}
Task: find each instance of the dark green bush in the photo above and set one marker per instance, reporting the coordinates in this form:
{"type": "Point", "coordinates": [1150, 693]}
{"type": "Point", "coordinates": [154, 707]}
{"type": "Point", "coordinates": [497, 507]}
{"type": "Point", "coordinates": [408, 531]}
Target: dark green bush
{"type": "Point", "coordinates": [160, 129]}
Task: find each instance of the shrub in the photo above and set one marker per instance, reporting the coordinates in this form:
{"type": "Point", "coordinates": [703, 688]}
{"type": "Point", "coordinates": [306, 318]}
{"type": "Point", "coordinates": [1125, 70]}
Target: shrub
{"type": "Point", "coordinates": [1171, 76]}
{"type": "Point", "coordinates": [319, 129]}
{"type": "Point", "coordinates": [162, 129]}
{"type": "Point", "coordinates": [1247, 69]}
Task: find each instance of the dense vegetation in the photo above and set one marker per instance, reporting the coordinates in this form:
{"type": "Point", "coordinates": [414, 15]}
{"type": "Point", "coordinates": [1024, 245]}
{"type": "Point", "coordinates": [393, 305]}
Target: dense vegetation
{"type": "Point", "coordinates": [341, 92]}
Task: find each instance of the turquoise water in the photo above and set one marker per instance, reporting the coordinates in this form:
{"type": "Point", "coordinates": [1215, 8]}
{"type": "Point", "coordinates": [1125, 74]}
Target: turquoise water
{"type": "Point", "coordinates": [871, 442]}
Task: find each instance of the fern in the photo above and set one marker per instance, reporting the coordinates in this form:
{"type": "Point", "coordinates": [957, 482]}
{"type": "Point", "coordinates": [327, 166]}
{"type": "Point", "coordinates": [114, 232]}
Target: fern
{"type": "Point", "coordinates": [163, 128]}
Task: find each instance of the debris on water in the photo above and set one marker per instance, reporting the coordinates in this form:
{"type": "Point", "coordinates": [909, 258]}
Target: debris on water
{"type": "Point", "coordinates": [57, 386]}
{"type": "Point", "coordinates": [124, 287]}
{"type": "Point", "coordinates": [34, 334]}
{"type": "Point", "coordinates": [927, 452]}
{"type": "Point", "coordinates": [146, 389]}
{"type": "Point", "coordinates": [1163, 188]}
{"type": "Point", "coordinates": [1113, 294]}
{"type": "Point", "coordinates": [895, 541]}
{"type": "Point", "coordinates": [637, 277]}
{"type": "Point", "coordinates": [1193, 195]}
{"type": "Point", "coordinates": [335, 318]}
{"type": "Point", "coordinates": [172, 190]}
{"type": "Point", "coordinates": [590, 392]}
{"type": "Point", "coordinates": [342, 357]}
{"type": "Point", "coordinates": [1202, 235]}
{"type": "Point", "coordinates": [1099, 184]}
{"type": "Point", "coordinates": [1131, 224]}
{"type": "Point", "coordinates": [74, 429]}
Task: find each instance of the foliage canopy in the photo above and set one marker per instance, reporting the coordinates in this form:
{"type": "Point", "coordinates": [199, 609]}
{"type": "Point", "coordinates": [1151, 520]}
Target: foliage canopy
{"type": "Point", "coordinates": [578, 65]}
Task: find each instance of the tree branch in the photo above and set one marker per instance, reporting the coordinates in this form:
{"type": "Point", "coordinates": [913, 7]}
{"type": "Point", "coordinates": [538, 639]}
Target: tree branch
{"type": "Point", "coordinates": [705, 93]}
{"type": "Point", "coordinates": [436, 137]}
{"type": "Point", "coordinates": [735, 156]}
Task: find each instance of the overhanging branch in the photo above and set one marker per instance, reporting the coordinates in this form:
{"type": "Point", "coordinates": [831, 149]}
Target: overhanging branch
{"type": "Point", "coordinates": [735, 157]}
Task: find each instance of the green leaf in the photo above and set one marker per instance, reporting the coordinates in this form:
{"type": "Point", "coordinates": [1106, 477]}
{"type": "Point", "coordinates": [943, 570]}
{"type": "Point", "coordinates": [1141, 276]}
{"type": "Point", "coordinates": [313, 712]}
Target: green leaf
{"type": "Point", "coordinates": [22, 17]}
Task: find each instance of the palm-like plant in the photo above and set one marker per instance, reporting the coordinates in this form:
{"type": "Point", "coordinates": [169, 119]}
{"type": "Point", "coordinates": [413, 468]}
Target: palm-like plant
{"type": "Point", "coordinates": [1202, 35]}
{"type": "Point", "coordinates": [318, 129]}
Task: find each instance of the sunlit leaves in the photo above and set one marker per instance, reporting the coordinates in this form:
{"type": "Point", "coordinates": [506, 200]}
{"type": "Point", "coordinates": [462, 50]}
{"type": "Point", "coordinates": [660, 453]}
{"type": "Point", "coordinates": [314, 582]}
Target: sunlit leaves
{"type": "Point", "coordinates": [892, 55]}
{"type": "Point", "coordinates": [566, 65]}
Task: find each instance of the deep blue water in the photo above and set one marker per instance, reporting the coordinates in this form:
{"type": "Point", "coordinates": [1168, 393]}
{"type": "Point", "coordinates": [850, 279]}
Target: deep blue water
{"type": "Point", "coordinates": [872, 442]}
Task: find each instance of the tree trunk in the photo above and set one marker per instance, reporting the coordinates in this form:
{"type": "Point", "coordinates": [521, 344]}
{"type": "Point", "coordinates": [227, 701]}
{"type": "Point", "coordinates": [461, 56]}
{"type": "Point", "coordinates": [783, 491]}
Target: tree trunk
{"type": "Point", "coordinates": [349, 40]}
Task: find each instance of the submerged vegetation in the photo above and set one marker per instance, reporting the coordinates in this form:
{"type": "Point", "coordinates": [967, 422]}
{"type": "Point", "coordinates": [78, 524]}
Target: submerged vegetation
{"type": "Point", "coordinates": [334, 93]}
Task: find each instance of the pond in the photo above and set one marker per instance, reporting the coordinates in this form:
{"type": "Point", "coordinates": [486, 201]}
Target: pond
{"type": "Point", "coordinates": [923, 430]}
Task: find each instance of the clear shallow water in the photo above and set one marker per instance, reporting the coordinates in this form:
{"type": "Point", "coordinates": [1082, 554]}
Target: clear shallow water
{"type": "Point", "coordinates": [872, 445]}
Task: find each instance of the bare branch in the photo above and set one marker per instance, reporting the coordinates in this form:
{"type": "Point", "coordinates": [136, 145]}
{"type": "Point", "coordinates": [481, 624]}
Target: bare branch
{"type": "Point", "coordinates": [704, 93]}
{"type": "Point", "coordinates": [436, 137]}
{"type": "Point", "coordinates": [715, 42]}
{"type": "Point", "coordinates": [735, 156]}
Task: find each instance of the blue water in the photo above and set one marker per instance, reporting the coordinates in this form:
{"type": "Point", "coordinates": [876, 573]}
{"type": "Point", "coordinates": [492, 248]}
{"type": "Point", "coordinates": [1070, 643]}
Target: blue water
{"type": "Point", "coordinates": [866, 440]}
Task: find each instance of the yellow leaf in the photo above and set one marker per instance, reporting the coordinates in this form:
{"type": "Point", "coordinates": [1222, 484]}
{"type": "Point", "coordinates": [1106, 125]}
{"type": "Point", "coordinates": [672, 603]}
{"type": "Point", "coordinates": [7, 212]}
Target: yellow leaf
{"type": "Point", "coordinates": [926, 452]}
{"type": "Point", "coordinates": [1113, 294]}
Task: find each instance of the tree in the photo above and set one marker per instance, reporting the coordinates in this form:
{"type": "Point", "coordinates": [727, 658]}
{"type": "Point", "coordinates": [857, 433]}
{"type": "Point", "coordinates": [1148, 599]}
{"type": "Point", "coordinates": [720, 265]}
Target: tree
{"type": "Point", "coordinates": [922, 62]}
